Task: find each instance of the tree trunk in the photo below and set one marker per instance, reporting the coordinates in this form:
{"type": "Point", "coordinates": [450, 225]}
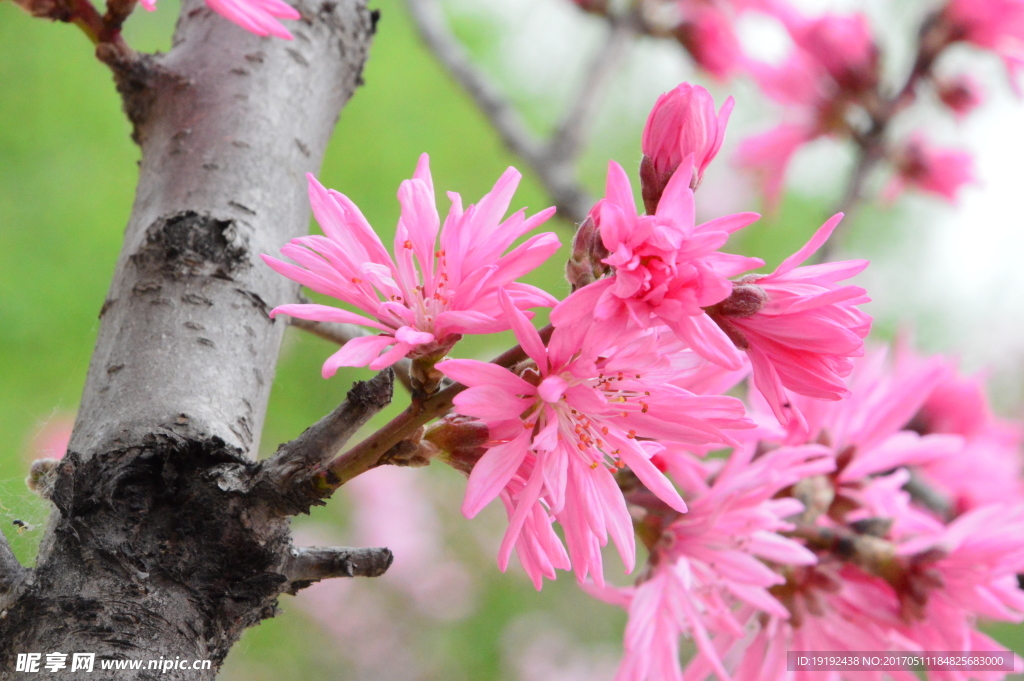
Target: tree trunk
{"type": "Point", "coordinates": [154, 550]}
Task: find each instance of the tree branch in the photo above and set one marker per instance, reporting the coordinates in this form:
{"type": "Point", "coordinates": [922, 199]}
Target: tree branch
{"type": "Point", "coordinates": [933, 38]}
{"type": "Point", "coordinates": [155, 547]}
{"type": "Point", "coordinates": [551, 160]}
{"type": "Point", "coordinates": [295, 461]}
{"type": "Point", "coordinates": [567, 143]}
{"type": "Point", "coordinates": [11, 571]}
{"type": "Point", "coordinates": [307, 565]}
{"type": "Point", "coordinates": [367, 453]}
{"type": "Point", "coordinates": [336, 332]}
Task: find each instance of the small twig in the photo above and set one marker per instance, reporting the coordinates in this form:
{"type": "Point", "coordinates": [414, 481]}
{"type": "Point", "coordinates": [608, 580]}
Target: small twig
{"type": "Point", "coordinates": [117, 12]}
{"type": "Point", "coordinates": [11, 571]}
{"type": "Point", "coordinates": [567, 143]}
{"type": "Point", "coordinates": [310, 564]}
{"type": "Point", "coordinates": [558, 178]}
{"type": "Point", "coordinates": [282, 477]}
{"type": "Point", "coordinates": [929, 497]}
{"type": "Point", "coordinates": [869, 155]}
{"type": "Point", "coordinates": [933, 38]}
{"type": "Point", "coordinates": [342, 333]}
{"type": "Point", "coordinates": [367, 453]}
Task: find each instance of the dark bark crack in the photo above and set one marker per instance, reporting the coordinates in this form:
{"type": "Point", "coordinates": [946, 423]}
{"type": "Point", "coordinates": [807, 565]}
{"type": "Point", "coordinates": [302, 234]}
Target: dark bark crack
{"type": "Point", "coordinates": [190, 244]}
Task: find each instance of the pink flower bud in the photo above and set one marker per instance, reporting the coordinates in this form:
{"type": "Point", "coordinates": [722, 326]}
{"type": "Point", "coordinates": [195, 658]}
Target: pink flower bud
{"type": "Point", "coordinates": [682, 122]}
{"type": "Point", "coordinates": [593, 6]}
{"type": "Point", "coordinates": [708, 35]}
{"type": "Point", "coordinates": [961, 94]}
{"type": "Point", "coordinates": [460, 439]}
{"type": "Point", "coordinates": [585, 266]}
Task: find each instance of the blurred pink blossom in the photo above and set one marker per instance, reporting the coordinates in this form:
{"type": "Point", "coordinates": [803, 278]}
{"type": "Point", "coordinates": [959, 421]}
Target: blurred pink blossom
{"type": "Point", "coordinates": [843, 44]}
{"type": "Point", "coordinates": [996, 25]}
{"type": "Point", "coordinates": [707, 32]}
{"type": "Point", "coordinates": [988, 469]}
{"type": "Point", "coordinates": [51, 440]}
{"type": "Point", "coordinates": [392, 507]}
{"type": "Point", "coordinates": [927, 168]}
{"type": "Point", "coordinates": [834, 61]}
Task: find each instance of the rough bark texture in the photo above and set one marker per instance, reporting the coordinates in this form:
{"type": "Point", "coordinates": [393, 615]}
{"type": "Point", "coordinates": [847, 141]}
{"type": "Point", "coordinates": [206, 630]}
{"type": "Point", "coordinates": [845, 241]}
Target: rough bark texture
{"type": "Point", "coordinates": [150, 552]}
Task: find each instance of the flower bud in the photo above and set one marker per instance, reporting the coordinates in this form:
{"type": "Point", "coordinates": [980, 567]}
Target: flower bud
{"type": "Point", "coordinates": [460, 439]}
{"type": "Point", "coordinates": [682, 123]}
{"type": "Point", "coordinates": [746, 299]}
{"type": "Point", "coordinates": [707, 34]}
{"type": "Point", "coordinates": [961, 94]}
{"type": "Point", "coordinates": [593, 6]}
{"type": "Point", "coordinates": [585, 264]}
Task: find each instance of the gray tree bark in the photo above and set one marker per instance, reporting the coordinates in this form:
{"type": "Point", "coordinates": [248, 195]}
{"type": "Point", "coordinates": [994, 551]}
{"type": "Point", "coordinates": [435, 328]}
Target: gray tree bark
{"type": "Point", "coordinates": [158, 545]}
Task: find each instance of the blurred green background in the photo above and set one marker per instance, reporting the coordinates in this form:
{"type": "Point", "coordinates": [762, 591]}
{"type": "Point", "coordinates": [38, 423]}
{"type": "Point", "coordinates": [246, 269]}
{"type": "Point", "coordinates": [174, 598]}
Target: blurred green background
{"type": "Point", "coordinates": [67, 176]}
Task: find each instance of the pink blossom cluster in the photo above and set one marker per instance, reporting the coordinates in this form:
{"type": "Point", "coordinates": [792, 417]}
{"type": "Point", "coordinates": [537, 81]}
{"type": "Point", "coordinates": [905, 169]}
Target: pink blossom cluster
{"type": "Point", "coordinates": [853, 502]}
{"type": "Point", "coordinates": [900, 560]}
{"type": "Point", "coordinates": [830, 84]}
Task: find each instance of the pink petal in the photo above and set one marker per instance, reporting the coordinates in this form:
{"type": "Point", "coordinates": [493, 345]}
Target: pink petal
{"type": "Point", "coordinates": [490, 403]}
{"type": "Point", "coordinates": [325, 313]}
{"type": "Point", "coordinates": [492, 472]}
{"type": "Point", "coordinates": [358, 352]}
{"type": "Point", "coordinates": [411, 336]}
{"type": "Point", "coordinates": [816, 242]}
{"type": "Point", "coordinates": [651, 477]}
{"type": "Point", "coordinates": [527, 336]}
{"type": "Point", "coordinates": [473, 372]}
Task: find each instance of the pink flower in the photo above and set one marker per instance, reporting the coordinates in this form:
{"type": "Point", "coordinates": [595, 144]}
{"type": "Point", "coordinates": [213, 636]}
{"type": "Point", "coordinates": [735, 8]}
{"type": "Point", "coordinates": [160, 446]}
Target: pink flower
{"type": "Point", "coordinates": [538, 548]}
{"type": "Point", "coordinates": [393, 507]}
{"type": "Point", "coordinates": [800, 329]}
{"type": "Point", "coordinates": [256, 16]}
{"type": "Point", "coordinates": [831, 608]}
{"type": "Point", "coordinates": [834, 62]}
{"type": "Point", "coordinates": [682, 124]}
{"type": "Point", "coordinates": [422, 300]}
{"type": "Point", "coordinates": [572, 420]}
{"type": "Point", "coordinates": [988, 468]}
{"type": "Point", "coordinates": [804, 87]}
{"type": "Point", "coordinates": [996, 25]}
{"type": "Point", "coordinates": [843, 45]}
{"type": "Point", "coordinates": [931, 169]}
{"type": "Point", "coordinates": [666, 268]}
{"type": "Point", "coordinates": [710, 562]}
{"type": "Point", "coordinates": [974, 563]}
{"type": "Point", "coordinates": [867, 430]}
